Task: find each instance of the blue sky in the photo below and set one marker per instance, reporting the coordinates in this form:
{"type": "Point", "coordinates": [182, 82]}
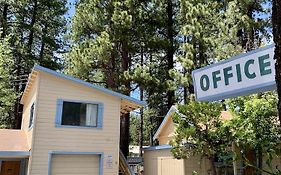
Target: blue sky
{"type": "Point", "coordinates": [71, 8]}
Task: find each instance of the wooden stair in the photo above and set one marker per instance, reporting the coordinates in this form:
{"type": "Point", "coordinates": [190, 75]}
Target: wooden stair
{"type": "Point", "coordinates": [124, 168]}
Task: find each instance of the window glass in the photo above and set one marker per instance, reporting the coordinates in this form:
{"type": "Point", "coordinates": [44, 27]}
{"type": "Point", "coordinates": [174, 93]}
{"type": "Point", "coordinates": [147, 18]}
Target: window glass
{"type": "Point", "coordinates": [31, 115]}
{"type": "Point", "coordinates": [79, 114]}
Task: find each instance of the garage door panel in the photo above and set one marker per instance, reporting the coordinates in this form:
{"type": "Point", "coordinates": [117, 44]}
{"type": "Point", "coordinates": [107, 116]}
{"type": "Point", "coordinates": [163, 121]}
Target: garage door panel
{"type": "Point", "coordinates": [75, 164]}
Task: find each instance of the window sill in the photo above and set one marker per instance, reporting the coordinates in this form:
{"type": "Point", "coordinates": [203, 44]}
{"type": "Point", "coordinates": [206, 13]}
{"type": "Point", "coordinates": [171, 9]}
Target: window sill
{"type": "Point", "coordinates": [80, 127]}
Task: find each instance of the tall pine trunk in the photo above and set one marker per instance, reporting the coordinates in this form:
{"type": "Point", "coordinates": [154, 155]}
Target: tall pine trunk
{"type": "Point", "coordinates": [32, 23]}
{"type": "Point", "coordinates": [4, 21]}
{"type": "Point", "coordinates": [125, 133]}
{"type": "Point", "coordinates": [18, 108]}
{"type": "Point", "coordinates": [125, 118]}
{"type": "Point", "coordinates": [251, 33]}
{"type": "Point", "coordinates": [42, 49]}
{"type": "Point", "coordinates": [170, 49]}
{"type": "Point", "coordinates": [110, 73]}
{"type": "Point", "coordinates": [141, 112]}
{"type": "Point", "coordinates": [21, 71]}
{"type": "Point", "coordinates": [276, 23]}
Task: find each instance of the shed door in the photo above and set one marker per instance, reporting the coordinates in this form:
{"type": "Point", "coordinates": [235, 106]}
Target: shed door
{"type": "Point", "coordinates": [170, 166]}
{"type": "Point", "coordinates": [75, 164]}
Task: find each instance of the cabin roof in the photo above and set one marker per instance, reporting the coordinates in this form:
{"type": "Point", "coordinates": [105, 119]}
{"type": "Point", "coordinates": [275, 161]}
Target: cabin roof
{"type": "Point", "coordinates": [158, 147]}
{"type": "Point", "coordinates": [225, 116]}
{"type": "Point", "coordinates": [127, 103]}
{"type": "Point", "coordinates": [13, 141]}
{"type": "Point", "coordinates": [165, 120]}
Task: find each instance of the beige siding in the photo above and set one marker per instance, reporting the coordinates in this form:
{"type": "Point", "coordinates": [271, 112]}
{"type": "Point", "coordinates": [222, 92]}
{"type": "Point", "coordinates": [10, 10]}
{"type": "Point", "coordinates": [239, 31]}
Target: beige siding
{"type": "Point", "coordinates": [26, 111]}
{"type": "Point", "coordinates": [75, 164]}
{"type": "Point", "coordinates": [196, 164]}
{"type": "Point", "coordinates": [167, 132]}
{"type": "Point", "coordinates": [48, 137]}
{"type": "Point", "coordinates": [161, 162]}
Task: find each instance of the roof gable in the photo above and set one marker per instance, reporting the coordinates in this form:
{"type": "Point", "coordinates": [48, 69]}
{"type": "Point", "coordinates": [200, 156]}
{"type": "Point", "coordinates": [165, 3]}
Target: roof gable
{"type": "Point", "coordinates": [172, 110]}
{"type": "Point", "coordinates": [224, 116]}
{"type": "Point", "coordinates": [130, 102]}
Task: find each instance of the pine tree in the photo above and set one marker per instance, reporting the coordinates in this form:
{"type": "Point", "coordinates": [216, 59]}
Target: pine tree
{"type": "Point", "coordinates": [105, 40]}
{"type": "Point", "coordinates": [276, 22]}
{"type": "Point", "coordinates": [253, 31]}
{"type": "Point", "coordinates": [35, 28]}
{"type": "Point", "coordinates": [158, 48]}
{"type": "Point", "coordinates": [7, 94]}
{"type": "Point", "coordinates": [208, 34]}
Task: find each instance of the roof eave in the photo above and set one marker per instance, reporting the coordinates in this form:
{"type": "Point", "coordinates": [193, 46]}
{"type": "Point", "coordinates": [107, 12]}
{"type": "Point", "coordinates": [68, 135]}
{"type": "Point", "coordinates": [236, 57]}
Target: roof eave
{"type": "Point", "coordinates": [170, 112]}
{"type": "Point", "coordinates": [14, 154]}
{"type": "Point", "coordinates": [76, 80]}
{"type": "Point", "coordinates": [32, 76]}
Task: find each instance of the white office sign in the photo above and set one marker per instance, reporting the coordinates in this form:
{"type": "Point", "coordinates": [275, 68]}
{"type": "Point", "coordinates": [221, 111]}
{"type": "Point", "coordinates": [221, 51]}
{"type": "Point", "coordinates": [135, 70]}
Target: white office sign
{"type": "Point", "coordinates": [244, 74]}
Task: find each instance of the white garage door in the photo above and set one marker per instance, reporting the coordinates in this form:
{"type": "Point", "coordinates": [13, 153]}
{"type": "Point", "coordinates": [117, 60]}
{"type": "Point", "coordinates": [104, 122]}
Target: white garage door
{"type": "Point", "coordinates": [75, 165]}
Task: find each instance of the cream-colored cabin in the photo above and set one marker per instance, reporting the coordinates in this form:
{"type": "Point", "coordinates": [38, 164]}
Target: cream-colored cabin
{"type": "Point", "coordinates": [158, 160]}
{"type": "Point", "coordinates": [68, 127]}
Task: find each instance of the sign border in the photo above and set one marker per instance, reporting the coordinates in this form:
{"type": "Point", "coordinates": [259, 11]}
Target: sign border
{"type": "Point", "coordinates": [244, 91]}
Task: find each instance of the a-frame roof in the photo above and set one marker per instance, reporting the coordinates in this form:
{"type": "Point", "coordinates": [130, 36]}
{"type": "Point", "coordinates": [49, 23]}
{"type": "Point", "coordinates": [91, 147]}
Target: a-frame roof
{"type": "Point", "coordinates": [127, 103]}
{"type": "Point", "coordinates": [224, 116]}
{"type": "Point", "coordinates": [172, 110]}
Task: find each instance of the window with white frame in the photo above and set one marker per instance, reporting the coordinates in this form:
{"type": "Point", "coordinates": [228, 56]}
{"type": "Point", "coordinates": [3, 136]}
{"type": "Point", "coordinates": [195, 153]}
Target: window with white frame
{"type": "Point", "coordinates": [80, 114]}
{"type": "Point", "coordinates": [31, 116]}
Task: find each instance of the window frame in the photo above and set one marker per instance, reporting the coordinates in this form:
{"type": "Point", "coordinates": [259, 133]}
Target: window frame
{"type": "Point", "coordinates": [58, 120]}
{"type": "Point", "coordinates": [31, 122]}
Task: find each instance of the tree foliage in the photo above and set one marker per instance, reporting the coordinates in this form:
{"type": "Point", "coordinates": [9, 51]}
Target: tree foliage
{"type": "Point", "coordinates": [114, 41]}
{"type": "Point", "coordinates": [208, 33]}
{"type": "Point", "coordinates": [276, 23]}
{"type": "Point", "coordinates": [256, 128]}
{"type": "Point", "coordinates": [155, 45]}
{"type": "Point", "coordinates": [7, 94]}
{"type": "Point", "coordinates": [200, 131]}
{"type": "Point", "coordinates": [135, 127]}
{"type": "Point", "coordinates": [35, 29]}
{"type": "Point", "coordinates": [254, 29]}
{"type": "Point", "coordinates": [253, 129]}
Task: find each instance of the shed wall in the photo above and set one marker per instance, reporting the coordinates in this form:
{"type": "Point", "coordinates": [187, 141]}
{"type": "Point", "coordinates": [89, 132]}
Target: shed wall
{"type": "Point", "coordinates": [161, 162]}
